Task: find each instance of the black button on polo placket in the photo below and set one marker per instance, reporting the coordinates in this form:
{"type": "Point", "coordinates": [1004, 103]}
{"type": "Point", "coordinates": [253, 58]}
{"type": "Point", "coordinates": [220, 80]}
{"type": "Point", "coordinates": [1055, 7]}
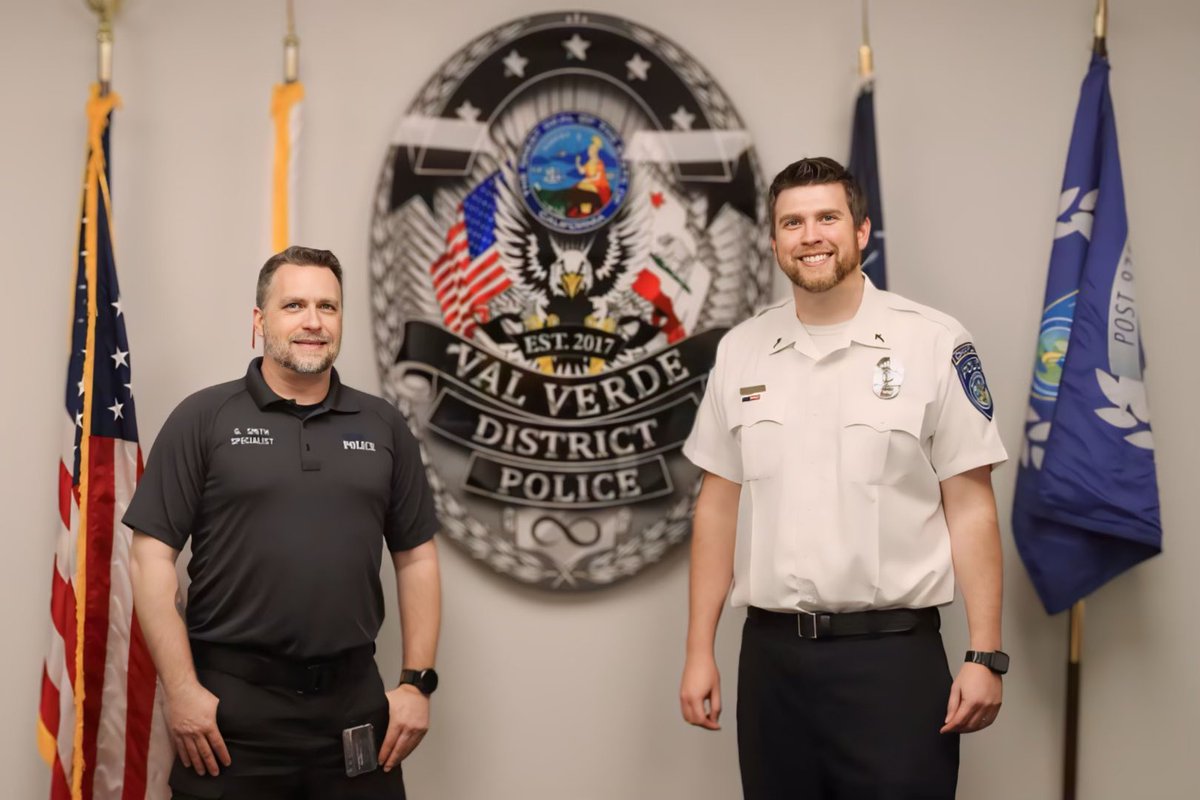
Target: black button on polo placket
{"type": "Point", "coordinates": [310, 460]}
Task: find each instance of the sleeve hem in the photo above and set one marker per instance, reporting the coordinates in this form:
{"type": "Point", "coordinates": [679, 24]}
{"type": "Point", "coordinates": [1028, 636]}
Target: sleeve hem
{"type": "Point", "coordinates": [961, 465]}
{"type": "Point", "coordinates": [426, 535]}
{"type": "Point", "coordinates": [709, 463]}
{"type": "Point", "coordinates": [167, 537]}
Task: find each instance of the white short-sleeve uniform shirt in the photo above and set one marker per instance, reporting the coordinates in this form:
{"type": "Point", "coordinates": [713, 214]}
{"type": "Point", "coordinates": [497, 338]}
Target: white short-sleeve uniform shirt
{"type": "Point", "coordinates": [841, 456]}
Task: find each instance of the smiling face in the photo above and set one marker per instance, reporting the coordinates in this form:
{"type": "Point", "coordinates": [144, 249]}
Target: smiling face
{"type": "Point", "coordinates": [814, 238]}
{"type": "Point", "coordinates": [301, 319]}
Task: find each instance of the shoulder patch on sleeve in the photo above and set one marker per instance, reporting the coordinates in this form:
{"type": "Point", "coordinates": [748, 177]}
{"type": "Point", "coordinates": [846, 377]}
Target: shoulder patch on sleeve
{"type": "Point", "coordinates": [970, 373]}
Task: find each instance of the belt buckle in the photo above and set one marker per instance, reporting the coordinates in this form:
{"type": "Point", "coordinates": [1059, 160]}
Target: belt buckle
{"type": "Point", "coordinates": [812, 625]}
{"type": "Point", "coordinates": [316, 679]}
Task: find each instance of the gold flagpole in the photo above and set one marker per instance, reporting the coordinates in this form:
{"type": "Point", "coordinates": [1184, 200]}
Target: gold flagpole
{"type": "Point", "coordinates": [1075, 629]}
{"type": "Point", "coordinates": [1071, 736]}
{"type": "Point", "coordinates": [291, 48]}
{"type": "Point", "coordinates": [285, 106]}
{"type": "Point", "coordinates": [1101, 31]}
{"type": "Point", "coordinates": [866, 62]}
{"type": "Point", "coordinates": [105, 10]}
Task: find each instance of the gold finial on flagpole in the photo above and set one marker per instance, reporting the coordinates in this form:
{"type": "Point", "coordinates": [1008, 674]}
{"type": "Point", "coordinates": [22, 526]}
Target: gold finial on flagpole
{"type": "Point", "coordinates": [866, 63]}
{"type": "Point", "coordinates": [105, 10]}
{"type": "Point", "coordinates": [1099, 46]}
{"type": "Point", "coordinates": [291, 48]}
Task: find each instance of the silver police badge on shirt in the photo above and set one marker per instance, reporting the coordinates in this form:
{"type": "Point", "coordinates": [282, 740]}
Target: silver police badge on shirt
{"type": "Point", "coordinates": [889, 377]}
{"type": "Point", "coordinates": [569, 217]}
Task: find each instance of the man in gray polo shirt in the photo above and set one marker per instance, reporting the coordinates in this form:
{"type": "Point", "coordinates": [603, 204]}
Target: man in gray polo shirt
{"type": "Point", "coordinates": [288, 484]}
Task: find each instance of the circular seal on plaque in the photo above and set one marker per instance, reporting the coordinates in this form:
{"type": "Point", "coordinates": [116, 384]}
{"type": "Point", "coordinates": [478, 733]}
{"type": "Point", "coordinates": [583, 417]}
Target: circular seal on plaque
{"type": "Point", "coordinates": [573, 175]}
{"type": "Point", "coordinates": [569, 217]}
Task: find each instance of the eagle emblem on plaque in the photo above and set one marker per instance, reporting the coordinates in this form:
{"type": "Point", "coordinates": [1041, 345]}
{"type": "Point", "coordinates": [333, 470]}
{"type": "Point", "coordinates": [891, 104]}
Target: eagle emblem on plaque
{"type": "Point", "coordinates": [569, 217]}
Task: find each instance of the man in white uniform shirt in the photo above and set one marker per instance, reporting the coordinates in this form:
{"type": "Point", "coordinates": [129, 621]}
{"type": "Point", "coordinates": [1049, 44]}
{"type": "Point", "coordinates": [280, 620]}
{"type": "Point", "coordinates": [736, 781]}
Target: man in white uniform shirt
{"type": "Point", "coordinates": [854, 428]}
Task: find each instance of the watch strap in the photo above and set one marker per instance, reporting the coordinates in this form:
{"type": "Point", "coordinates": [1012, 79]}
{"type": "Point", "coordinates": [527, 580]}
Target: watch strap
{"type": "Point", "coordinates": [426, 680]}
{"type": "Point", "coordinates": [995, 660]}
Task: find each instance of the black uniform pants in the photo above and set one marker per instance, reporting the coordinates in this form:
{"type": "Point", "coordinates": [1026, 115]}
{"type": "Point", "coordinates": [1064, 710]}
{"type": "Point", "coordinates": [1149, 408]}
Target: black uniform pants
{"type": "Point", "coordinates": [845, 718]}
{"type": "Point", "coordinates": [288, 746]}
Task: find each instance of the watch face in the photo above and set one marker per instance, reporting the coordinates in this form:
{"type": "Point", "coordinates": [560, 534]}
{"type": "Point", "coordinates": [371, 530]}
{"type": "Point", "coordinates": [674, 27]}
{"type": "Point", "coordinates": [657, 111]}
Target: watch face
{"type": "Point", "coordinates": [427, 681]}
{"type": "Point", "coordinates": [999, 662]}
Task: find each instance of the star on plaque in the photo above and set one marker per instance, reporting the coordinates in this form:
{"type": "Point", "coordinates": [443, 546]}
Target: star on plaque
{"type": "Point", "coordinates": [683, 119]}
{"type": "Point", "coordinates": [577, 47]}
{"type": "Point", "coordinates": [638, 67]}
{"type": "Point", "coordinates": [467, 112]}
{"type": "Point", "coordinates": [514, 65]}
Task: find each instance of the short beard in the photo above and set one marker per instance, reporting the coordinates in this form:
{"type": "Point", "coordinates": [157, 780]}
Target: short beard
{"type": "Point", "coordinates": [279, 353]}
{"type": "Point", "coordinates": [842, 268]}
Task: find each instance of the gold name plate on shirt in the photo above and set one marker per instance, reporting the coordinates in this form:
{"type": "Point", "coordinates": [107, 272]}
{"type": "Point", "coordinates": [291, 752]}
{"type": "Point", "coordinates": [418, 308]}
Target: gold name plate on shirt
{"type": "Point", "coordinates": [749, 393]}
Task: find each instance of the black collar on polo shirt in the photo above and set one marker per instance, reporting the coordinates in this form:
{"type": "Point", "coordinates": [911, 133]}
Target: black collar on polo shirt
{"type": "Point", "coordinates": [264, 396]}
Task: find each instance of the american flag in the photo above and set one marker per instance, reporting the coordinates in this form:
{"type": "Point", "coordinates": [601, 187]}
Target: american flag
{"type": "Point", "coordinates": [100, 725]}
{"type": "Point", "coordinates": [469, 273]}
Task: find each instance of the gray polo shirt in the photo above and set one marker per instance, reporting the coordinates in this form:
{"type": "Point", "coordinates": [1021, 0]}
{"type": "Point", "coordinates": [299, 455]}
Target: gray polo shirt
{"type": "Point", "coordinates": [287, 511]}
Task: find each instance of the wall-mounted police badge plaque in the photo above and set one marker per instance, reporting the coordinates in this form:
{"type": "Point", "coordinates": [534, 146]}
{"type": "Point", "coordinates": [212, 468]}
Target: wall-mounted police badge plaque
{"type": "Point", "coordinates": [568, 219]}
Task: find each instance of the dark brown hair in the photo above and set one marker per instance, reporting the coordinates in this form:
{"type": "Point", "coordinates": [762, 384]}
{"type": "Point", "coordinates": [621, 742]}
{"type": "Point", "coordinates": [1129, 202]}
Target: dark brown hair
{"type": "Point", "coordinates": [300, 257]}
{"type": "Point", "coordinates": [814, 172]}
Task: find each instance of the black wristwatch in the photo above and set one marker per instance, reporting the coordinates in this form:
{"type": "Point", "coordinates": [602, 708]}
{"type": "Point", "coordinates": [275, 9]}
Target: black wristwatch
{"type": "Point", "coordinates": [996, 660]}
{"type": "Point", "coordinates": [426, 680]}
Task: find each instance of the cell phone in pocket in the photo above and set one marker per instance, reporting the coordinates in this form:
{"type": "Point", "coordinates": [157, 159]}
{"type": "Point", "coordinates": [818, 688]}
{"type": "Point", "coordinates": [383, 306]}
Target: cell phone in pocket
{"type": "Point", "coordinates": [360, 750]}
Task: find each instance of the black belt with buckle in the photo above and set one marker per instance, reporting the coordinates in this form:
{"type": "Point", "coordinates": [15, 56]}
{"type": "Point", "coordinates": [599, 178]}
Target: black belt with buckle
{"type": "Point", "coordinates": [310, 676]}
{"type": "Point", "coordinates": [821, 625]}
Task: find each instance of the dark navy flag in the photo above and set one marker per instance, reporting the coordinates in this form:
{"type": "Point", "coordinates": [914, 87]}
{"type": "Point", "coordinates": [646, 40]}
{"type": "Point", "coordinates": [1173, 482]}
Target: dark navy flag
{"type": "Point", "coordinates": [864, 165]}
{"type": "Point", "coordinates": [1086, 506]}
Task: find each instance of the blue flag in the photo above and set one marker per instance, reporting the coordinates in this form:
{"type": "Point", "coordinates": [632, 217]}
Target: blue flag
{"type": "Point", "coordinates": [1086, 506]}
{"type": "Point", "coordinates": [864, 166]}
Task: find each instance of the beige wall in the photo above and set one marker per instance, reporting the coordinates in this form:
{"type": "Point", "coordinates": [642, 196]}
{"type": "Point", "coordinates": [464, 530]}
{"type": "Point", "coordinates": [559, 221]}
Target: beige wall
{"type": "Point", "coordinates": [550, 696]}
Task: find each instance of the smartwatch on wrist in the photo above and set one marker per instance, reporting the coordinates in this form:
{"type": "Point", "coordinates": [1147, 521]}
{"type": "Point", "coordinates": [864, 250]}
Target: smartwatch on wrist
{"type": "Point", "coordinates": [426, 680]}
{"type": "Point", "coordinates": [996, 660]}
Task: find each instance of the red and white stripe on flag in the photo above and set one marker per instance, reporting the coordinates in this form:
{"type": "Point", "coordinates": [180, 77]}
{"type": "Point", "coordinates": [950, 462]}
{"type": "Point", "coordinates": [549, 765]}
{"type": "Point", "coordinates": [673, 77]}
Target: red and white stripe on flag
{"type": "Point", "coordinates": [100, 724]}
{"type": "Point", "coordinates": [464, 284]}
